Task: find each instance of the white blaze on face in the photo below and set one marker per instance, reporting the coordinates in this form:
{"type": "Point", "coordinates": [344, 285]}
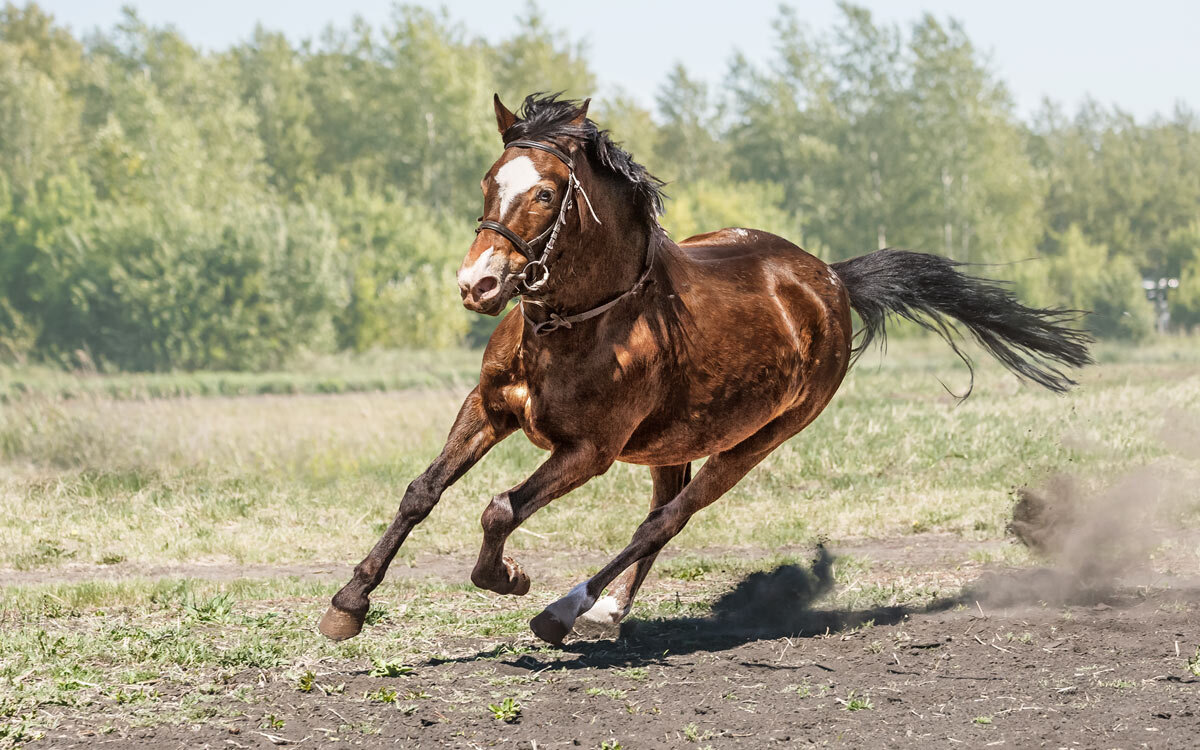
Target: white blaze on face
{"type": "Point", "coordinates": [514, 180]}
{"type": "Point", "coordinates": [469, 277]}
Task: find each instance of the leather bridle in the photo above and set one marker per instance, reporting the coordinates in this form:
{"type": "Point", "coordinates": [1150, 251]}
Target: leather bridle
{"type": "Point", "coordinates": [525, 283]}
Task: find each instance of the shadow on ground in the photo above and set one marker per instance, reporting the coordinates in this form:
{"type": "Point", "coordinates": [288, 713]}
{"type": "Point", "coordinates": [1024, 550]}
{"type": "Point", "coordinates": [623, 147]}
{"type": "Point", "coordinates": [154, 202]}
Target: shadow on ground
{"type": "Point", "coordinates": [779, 603]}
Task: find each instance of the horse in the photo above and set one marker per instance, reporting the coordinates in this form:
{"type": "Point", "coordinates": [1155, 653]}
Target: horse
{"type": "Point", "coordinates": [628, 346]}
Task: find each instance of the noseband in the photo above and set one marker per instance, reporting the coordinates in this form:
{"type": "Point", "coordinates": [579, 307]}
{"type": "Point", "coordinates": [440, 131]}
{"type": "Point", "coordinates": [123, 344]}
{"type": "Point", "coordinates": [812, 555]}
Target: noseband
{"type": "Point", "coordinates": [526, 286]}
{"type": "Point", "coordinates": [525, 282]}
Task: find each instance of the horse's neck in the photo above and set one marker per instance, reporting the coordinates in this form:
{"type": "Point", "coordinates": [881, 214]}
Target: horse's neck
{"type": "Point", "coordinates": [600, 264]}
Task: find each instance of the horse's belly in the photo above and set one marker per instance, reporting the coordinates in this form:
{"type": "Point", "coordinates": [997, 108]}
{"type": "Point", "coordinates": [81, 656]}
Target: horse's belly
{"type": "Point", "coordinates": [681, 433]}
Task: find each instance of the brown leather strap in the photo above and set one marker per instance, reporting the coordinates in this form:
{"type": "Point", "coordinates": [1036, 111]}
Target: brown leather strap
{"type": "Point", "coordinates": [556, 321]}
{"type": "Point", "coordinates": [521, 245]}
{"type": "Point", "coordinates": [544, 147]}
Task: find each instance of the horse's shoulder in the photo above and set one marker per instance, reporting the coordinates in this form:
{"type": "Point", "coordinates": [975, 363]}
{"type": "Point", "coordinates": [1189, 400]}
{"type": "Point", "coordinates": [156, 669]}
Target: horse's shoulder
{"type": "Point", "coordinates": [503, 348]}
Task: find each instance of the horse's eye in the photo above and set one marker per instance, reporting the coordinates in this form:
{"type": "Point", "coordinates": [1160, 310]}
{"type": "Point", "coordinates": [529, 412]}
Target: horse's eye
{"type": "Point", "coordinates": [545, 195]}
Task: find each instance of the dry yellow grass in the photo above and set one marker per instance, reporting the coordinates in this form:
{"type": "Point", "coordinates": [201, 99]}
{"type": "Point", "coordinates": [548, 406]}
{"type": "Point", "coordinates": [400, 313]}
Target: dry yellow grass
{"type": "Point", "coordinates": [276, 479]}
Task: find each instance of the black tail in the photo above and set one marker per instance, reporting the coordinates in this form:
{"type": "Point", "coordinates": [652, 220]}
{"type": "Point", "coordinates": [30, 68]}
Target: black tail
{"type": "Point", "coordinates": [930, 291]}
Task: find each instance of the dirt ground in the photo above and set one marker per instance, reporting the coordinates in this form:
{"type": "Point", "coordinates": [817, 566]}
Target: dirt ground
{"type": "Point", "coordinates": [1018, 658]}
{"type": "Point", "coordinates": [927, 551]}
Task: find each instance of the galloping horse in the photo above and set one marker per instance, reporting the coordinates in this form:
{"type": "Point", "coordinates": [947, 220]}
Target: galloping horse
{"type": "Point", "coordinates": [627, 346]}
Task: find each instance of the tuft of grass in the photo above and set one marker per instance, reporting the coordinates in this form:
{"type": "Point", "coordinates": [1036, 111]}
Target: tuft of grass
{"type": "Point", "coordinates": [383, 695]}
{"type": "Point", "coordinates": [1119, 684]}
{"type": "Point", "coordinates": [384, 668]}
{"type": "Point", "coordinates": [614, 693]}
{"type": "Point", "coordinates": [855, 702]}
{"type": "Point", "coordinates": [215, 609]}
{"type": "Point", "coordinates": [1193, 663]}
{"type": "Point", "coordinates": [376, 614]}
{"type": "Point", "coordinates": [271, 721]}
{"type": "Point", "coordinates": [507, 710]}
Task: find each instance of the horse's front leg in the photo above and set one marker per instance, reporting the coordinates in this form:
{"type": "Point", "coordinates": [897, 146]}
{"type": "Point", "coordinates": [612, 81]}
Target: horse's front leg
{"type": "Point", "coordinates": [567, 467]}
{"type": "Point", "coordinates": [472, 435]}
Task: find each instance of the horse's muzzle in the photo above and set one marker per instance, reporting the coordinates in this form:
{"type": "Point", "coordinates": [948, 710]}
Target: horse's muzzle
{"type": "Point", "coordinates": [487, 295]}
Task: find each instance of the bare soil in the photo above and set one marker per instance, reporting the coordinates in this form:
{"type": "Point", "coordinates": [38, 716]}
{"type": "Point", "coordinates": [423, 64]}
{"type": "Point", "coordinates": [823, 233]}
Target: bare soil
{"type": "Point", "coordinates": [923, 550]}
{"type": "Point", "coordinates": [1018, 658]}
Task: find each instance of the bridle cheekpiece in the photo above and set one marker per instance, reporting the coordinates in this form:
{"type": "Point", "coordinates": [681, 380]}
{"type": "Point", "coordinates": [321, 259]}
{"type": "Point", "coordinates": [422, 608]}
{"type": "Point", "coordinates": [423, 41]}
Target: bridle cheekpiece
{"type": "Point", "coordinates": [526, 284]}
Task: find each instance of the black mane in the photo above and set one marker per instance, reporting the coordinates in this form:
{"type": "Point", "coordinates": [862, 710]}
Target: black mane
{"type": "Point", "coordinates": [545, 117]}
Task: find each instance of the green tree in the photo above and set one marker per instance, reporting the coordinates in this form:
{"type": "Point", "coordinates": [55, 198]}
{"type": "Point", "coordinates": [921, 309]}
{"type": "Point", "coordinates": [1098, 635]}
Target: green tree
{"type": "Point", "coordinates": [1085, 276]}
{"type": "Point", "coordinates": [275, 82]}
{"type": "Point", "coordinates": [689, 143]}
{"type": "Point", "coordinates": [702, 206]}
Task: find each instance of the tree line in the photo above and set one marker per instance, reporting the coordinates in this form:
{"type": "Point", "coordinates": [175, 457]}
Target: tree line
{"type": "Point", "coordinates": [164, 207]}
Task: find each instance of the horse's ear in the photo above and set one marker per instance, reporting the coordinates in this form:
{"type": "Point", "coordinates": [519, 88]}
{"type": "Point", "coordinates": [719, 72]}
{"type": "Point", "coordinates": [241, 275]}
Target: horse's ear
{"type": "Point", "coordinates": [581, 115]}
{"type": "Point", "coordinates": [504, 118]}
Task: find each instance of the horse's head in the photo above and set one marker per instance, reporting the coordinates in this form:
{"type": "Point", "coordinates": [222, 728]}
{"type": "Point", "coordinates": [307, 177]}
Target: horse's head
{"type": "Point", "coordinates": [523, 202]}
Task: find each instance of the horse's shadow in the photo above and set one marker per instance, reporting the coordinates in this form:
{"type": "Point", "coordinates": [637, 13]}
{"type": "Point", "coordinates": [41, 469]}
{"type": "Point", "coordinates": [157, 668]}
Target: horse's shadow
{"type": "Point", "coordinates": [777, 604]}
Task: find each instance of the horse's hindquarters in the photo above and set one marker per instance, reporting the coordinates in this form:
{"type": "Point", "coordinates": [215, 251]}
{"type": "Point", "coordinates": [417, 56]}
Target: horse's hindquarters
{"type": "Point", "coordinates": [767, 334]}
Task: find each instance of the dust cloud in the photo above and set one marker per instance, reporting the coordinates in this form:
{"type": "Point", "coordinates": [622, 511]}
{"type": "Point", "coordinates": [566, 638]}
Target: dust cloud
{"type": "Point", "coordinates": [1096, 541]}
{"type": "Point", "coordinates": [1096, 546]}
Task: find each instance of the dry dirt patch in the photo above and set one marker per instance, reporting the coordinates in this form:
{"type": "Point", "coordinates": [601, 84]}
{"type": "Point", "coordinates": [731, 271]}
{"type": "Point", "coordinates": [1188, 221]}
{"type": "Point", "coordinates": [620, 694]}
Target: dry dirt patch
{"type": "Point", "coordinates": [774, 663]}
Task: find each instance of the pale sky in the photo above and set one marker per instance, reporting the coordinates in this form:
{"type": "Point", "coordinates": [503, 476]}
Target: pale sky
{"type": "Point", "coordinates": [1143, 56]}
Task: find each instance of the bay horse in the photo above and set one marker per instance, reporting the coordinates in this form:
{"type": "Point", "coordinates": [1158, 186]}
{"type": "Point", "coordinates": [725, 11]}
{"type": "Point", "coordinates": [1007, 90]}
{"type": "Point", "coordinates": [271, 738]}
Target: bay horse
{"type": "Point", "coordinates": [627, 346]}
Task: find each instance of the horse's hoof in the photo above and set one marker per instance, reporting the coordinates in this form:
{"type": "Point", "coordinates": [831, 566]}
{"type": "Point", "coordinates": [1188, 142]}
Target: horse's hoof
{"type": "Point", "coordinates": [338, 624]}
{"type": "Point", "coordinates": [518, 577]}
{"type": "Point", "coordinates": [547, 627]}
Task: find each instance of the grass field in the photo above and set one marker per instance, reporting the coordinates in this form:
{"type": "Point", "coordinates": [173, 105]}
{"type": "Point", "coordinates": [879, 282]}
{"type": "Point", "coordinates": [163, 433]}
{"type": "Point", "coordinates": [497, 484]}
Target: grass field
{"type": "Point", "coordinates": [123, 494]}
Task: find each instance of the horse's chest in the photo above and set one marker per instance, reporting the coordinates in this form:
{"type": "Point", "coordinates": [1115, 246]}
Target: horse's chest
{"type": "Point", "coordinates": [560, 411]}
{"type": "Point", "coordinates": [520, 402]}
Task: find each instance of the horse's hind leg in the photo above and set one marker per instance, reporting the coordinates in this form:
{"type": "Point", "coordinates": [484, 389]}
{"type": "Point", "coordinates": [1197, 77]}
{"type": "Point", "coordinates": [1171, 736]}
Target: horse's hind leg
{"type": "Point", "coordinates": [715, 478]}
{"type": "Point", "coordinates": [472, 435]}
{"type": "Point", "coordinates": [610, 609]}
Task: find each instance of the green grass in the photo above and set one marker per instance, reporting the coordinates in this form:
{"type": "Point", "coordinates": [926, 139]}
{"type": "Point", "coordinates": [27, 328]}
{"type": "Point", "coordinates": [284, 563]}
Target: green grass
{"type": "Point", "coordinates": [279, 479]}
{"type": "Point", "coordinates": [113, 476]}
{"type": "Point", "coordinates": [143, 651]}
{"type": "Point", "coordinates": [372, 371]}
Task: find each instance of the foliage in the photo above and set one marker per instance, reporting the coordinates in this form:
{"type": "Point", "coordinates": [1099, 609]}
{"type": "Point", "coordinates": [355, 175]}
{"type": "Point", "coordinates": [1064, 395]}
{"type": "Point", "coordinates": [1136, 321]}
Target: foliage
{"type": "Point", "coordinates": [703, 206]}
{"type": "Point", "coordinates": [1084, 276]}
{"type": "Point", "coordinates": [507, 710]}
{"type": "Point", "coordinates": [163, 207]}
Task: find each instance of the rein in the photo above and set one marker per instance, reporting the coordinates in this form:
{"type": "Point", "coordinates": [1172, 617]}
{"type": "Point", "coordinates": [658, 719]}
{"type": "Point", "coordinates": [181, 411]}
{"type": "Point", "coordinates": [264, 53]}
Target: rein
{"type": "Point", "coordinates": [542, 262]}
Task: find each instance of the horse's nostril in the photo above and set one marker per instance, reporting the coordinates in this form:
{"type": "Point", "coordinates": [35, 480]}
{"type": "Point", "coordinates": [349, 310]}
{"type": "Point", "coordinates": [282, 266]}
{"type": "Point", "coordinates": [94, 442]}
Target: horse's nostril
{"type": "Point", "coordinates": [484, 286]}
